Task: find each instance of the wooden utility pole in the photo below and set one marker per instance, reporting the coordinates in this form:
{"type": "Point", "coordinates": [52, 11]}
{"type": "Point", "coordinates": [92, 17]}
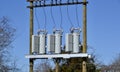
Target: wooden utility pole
{"type": "Point", "coordinates": [57, 65]}
{"type": "Point", "coordinates": [84, 50]}
{"type": "Point", "coordinates": [31, 62]}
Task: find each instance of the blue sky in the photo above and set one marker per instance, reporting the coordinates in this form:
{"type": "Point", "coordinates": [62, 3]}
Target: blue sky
{"type": "Point", "coordinates": [102, 33]}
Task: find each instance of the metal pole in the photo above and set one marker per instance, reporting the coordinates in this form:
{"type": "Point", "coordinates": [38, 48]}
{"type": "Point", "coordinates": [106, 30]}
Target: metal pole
{"type": "Point", "coordinates": [84, 50]}
{"type": "Point", "coordinates": [31, 62]}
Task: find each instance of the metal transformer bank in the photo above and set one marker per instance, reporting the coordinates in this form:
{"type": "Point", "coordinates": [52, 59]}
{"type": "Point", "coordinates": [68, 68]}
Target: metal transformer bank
{"type": "Point", "coordinates": [54, 42]}
{"type": "Point", "coordinates": [73, 41]}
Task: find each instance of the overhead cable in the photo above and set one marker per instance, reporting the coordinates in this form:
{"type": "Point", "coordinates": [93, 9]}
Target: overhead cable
{"type": "Point", "coordinates": [77, 16]}
{"type": "Point", "coordinates": [61, 15]}
{"type": "Point", "coordinates": [69, 17]}
{"type": "Point", "coordinates": [45, 23]}
{"type": "Point", "coordinates": [37, 19]}
{"type": "Point", "coordinates": [61, 18]}
{"type": "Point", "coordinates": [52, 17]}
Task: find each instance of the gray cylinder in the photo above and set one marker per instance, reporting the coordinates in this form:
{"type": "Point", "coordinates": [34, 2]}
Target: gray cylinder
{"type": "Point", "coordinates": [76, 38]}
{"type": "Point", "coordinates": [35, 44]}
{"type": "Point", "coordinates": [68, 42]}
{"type": "Point", "coordinates": [57, 43]}
{"type": "Point", "coordinates": [42, 44]}
{"type": "Point", "coordinates": [50, 42]}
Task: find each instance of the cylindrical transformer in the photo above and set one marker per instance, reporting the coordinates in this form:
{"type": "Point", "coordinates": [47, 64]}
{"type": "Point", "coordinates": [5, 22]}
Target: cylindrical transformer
{"type": "Point", "coordinates": [35, 44]}
{"type": "Point", "coordinates": [58, 40]}
{"type": "Point", "coordinates": [42, 44]}
{"type": "Point", "coordinates": [76, 38]}
{"type": "Point", "coordinates": [50, 42]}
{"type": "Point", "coordinates": [68, 42]}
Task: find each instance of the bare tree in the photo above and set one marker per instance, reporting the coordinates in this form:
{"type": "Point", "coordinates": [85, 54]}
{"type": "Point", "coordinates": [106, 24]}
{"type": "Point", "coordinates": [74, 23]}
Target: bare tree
{"type": "Point", "coordinates": [114, 66]}
{"type": "Point", "coordinates": [43, 66]}
{"type": "Point", "coordinates": [6, 38]}
{"type": "Point", "coordinates": [14, 66]}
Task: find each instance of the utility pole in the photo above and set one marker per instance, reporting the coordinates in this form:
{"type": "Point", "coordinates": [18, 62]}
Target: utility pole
{"type": "Point", "coordinates": [84, 50]}
{"type": "Point", "coordinates": [31, 62]}
{"type": "Point", "coordinates": [57, 65]}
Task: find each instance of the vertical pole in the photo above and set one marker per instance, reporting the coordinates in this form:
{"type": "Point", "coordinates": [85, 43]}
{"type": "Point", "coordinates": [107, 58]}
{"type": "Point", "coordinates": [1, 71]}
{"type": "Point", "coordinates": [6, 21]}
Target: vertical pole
{"type": "Point", "coordinates": [84, 27]}
{"type": "Point", "coordinates": [84, 50]}
{"type": "Point", "coordinates": [31, 62]}
{"type": "Point", "coordinates": [57, 66]}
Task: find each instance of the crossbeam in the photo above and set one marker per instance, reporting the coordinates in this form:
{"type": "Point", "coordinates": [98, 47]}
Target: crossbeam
{"type": "Point", "coordinates": [58, 56]}
{"type": "Point", "coordinates": [43, 3]}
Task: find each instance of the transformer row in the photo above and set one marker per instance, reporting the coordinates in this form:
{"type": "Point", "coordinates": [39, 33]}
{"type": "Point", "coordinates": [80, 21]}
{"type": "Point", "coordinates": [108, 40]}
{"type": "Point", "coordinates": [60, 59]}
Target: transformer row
{"type": "Point", "coordinates": [52, 43]}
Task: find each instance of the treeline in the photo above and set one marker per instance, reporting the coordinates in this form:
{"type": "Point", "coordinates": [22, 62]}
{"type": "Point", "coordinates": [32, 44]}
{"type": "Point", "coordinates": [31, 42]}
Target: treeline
{"type": "Point", "coordinates": [6, 38]}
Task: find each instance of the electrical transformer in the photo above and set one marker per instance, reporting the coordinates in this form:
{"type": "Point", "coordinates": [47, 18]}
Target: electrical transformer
{"type": "Point", "coordinates": [58, 39]}
{"type": "Point", "coordinates": [76, 48]}
{"type": "Point", "coordinates": [35, 44]}
{"type": "Point", "coordinates": [50, 42]}
{"type": "Point", "coordinates": [69, 42]}
{"type": "Point", "coordinates": [42, 44]}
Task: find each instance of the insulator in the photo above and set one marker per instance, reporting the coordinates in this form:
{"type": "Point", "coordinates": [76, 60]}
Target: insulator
{"type": "Point", "coordinates": [42, 44]}
{"type": "Point", "coordinates": [76, 38]}
{"type": "Point", "coordinates": [35, 44]}
{"type": "Point", "coordinates": [69, 42]}
{"type": "Point", "coordinates": [50, 43]}
{"type": "Point", "coordinates": [58, 39]}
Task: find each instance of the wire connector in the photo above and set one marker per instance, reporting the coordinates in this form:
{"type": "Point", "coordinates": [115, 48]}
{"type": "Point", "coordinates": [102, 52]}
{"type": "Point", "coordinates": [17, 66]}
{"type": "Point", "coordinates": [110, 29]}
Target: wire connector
{"type": "Point", "coordinates": [78, 30]}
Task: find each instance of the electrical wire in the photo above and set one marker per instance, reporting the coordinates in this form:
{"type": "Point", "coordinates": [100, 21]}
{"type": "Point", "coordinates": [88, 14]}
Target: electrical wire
{"type": "Point", "coordinates": [77, 16]}
{"type": "Point", "coordinates": [61, 18]}
{"type": "Point", "coordinates": [52, 17]}
{"type": "Point", "coordinates": [37, 19]}
{"type": "Point", "coordinates": [45, 18]}
{"type": "Point", "coordinates": [69, 17]}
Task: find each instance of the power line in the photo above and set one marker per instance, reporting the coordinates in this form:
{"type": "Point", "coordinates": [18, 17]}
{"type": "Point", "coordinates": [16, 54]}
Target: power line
{"type": "Point", "coordinates": [60, 14]}
{"type": "Point", "coordinates": [37, 19]}
{"type": "Point", "coordinates": [52, 17]}
{"type": "Point", "coordinates": [69, 17]}
{"type": "Point", "coordinates": [77, 16]}
{"type": "Point", "coordinates": [45, 18]}
{"type": "Point", "coordinates": [61, 18]}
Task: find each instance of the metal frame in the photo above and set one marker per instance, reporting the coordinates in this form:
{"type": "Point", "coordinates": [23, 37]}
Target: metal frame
{"type": "Point", "coordinates": [43, 3]}
{"type": "Point", "coordinates": [37, 3]}
{"type": "Point", "coordinates": [58, 56]}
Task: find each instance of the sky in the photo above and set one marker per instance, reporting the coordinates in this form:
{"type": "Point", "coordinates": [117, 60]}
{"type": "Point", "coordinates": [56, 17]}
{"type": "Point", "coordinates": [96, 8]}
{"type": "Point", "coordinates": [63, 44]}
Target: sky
{"type": "Point", "coordinates": [103, 22]}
